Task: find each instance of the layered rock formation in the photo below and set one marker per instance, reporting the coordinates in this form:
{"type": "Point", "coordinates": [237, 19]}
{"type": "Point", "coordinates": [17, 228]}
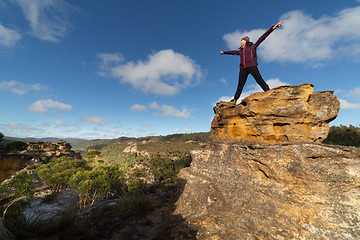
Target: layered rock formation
{"type": "Point", "coordinates": [262, 191]}
{"type": "Point", "coordinates": [242, 187]}
{"type": "Point", "coordinates": [52, 149]}
{"type": "Point", "coordinates": [36, 153]}
{"type": "Point", "coordinates": [280, 115]}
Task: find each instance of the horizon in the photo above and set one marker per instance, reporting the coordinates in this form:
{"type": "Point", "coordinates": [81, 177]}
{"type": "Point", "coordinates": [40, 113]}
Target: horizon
{"type": "Point", "coordinates": [92, 70]}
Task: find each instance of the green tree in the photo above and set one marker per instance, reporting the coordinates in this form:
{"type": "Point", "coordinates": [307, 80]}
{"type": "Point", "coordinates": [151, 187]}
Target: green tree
{"type": "Point", "coordinates": [15, 146]}
{"type": "Point", "coordinates": [58, 172]}
{"type": "Point", "coordinates": [1, 142]}
{"type": "Point", "coordinates": [97, 184]}
{"type": "Point", "coordinates": [92, 154]}
{"type": "Point", "coordinates": [17, 188]}
{"type": "Point", "coordinates": [344, 135]}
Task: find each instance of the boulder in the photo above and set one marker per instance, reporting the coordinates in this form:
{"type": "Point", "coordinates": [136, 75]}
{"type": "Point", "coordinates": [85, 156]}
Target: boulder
{"type": "Point", "coordinates": [286, 114]}
{"type": "Point", "coordinates": [272, 191]}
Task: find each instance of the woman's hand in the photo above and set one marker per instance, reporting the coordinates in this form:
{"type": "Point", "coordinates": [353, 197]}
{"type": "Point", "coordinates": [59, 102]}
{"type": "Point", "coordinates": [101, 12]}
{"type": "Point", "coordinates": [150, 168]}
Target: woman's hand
{"type": "Point", "coordinates": [278, 25]}
{"type": "Point", "coordinates": [221, 53]}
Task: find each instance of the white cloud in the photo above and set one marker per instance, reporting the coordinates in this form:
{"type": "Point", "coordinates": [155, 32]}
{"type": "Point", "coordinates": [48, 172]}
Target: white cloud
{"type": "Point", "coordinates": [95, 120]}
{"type": "Point", "coordinates": [254, 88]}
{"type": "Point", "coordinates": [355, 92]}
{"type": "Point", "coordinates": [109, 60]}
{"type": "Point", "coordinates": [48, 19]}
{"type": "Point", "coordinates": [138, 107]}
{"type": "Point", "coordinates": [12, 125]}
{"type": "Point", "coordinates": [165, 72]}
{"type": "Point", "coordinates": [19, 87]}
{"type": "Point", "coordinates": [273, 83]}
{"type": "Point", "coordinates": [223, 99]}
{"type": "Point", "coordinates": [303, 39]}
{"type": "Point", "coordinates": [177, 130]}
{"type": "Point", "coordinates": [44, 106]}
{"type": "Point", "coordinates": [115, 131]}
{"type": "Point", "coordinates": [223, 81]}
{"type": "Point", "coordinates": [344, 104]}
{"type": "Point", "coordinates": [21, 130]}
{"type": "Point", "coordinates": [8, 37]}
{"type": "Point", "coordinates": [170, 110]}
{"type": "Point", "coordinates": [59, 123]}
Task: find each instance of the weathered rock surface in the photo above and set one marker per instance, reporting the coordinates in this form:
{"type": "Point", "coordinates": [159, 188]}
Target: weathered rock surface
{"type": "Point", "coordinates": [11, 163]}
{"type": "Point", "coordinates": [263, 191]}
{"type": "Point", "coordinates": [280, 115]}
{"type": "Point", "coordinates": [52, 149]}
{"type": "Point", "coordinates": [36, 153]}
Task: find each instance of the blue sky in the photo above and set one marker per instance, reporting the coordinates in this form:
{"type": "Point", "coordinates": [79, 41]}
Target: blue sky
{"type": "Point", "coordinates": [106, 69]}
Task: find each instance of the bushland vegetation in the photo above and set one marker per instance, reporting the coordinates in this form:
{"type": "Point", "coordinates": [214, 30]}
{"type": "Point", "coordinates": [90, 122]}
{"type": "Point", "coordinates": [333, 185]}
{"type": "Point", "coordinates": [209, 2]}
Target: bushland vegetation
{"type": "Point", "coordinates": [344, 135]}
{"type": "Point", "coordinates": [11, 147]}
{"type": "Point", "coordinates": [106, 172]}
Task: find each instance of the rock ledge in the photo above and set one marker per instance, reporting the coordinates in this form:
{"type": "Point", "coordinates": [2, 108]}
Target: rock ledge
{"type": "Point", "coordinates": [286, 114]}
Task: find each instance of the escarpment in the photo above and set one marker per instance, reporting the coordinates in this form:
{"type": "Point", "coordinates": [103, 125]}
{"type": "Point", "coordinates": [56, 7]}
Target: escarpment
{"type": "Point", "coordinates": [266, 175]}
{"type": "Point", "coordinates": [286, 114]}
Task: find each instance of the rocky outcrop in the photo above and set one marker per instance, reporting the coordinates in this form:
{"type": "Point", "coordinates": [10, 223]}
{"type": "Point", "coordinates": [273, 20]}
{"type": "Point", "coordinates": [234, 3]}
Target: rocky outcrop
{"type": "Point", "coordinates": [267, 191]}
{"type": "Point", "coordinates": [11, 163]}
{"type": "Point", "coordinates": [50, 150]}
{"type": "Point", "coordinates": [36, 153]}
{"type": "Point", "coordinates": [280, 115]}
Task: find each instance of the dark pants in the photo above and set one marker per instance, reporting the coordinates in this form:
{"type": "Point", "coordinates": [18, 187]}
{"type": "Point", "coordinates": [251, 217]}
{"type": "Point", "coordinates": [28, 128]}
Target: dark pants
{"type": "Point", "coordinates": [243, 74]}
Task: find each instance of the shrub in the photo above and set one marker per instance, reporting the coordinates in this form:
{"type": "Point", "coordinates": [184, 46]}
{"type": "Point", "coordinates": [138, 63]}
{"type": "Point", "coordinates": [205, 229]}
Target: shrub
{"type": "Point", "coordinates": [16, 146]}
{"type": "Point", "coordinates": [58, 172]}
{"type": "Point", "coordinates": [15, 189]}
{"type": "Point", "coordinates": [343, 135]}
{"type": "Point", "coordinates": [97, 184]}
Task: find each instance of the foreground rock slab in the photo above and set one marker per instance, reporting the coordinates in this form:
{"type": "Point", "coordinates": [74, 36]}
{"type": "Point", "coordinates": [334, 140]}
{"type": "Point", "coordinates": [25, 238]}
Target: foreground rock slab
{"type": "Point", "coordinates": [267, 191]}
{"type": "Point", "coordinates": [281, 115]}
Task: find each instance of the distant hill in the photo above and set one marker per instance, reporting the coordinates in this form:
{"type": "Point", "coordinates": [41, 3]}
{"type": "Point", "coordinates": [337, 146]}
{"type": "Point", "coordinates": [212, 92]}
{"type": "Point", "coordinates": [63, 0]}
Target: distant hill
{"type": "Point", "coordinates": [203, 137]}
{"type": "Point", "coordinates": [46, 139]}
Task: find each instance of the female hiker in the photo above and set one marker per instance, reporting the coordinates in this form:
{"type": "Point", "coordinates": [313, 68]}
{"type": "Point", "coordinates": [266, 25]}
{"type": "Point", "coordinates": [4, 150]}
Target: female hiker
{"type": "Point", "coordinates": [248, 61]}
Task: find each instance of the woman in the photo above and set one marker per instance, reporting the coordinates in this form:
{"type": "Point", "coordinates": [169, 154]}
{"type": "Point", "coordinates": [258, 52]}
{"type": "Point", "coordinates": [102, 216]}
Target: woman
{"type": "Point", "coordinates": [248, 61]}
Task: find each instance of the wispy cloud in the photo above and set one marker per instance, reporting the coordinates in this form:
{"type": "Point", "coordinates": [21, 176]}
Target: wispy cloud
{"type": "Point", "coordinates": [108, 61]}
{"type": "Point", "coordinates": [355, 92]}
{"type": "Point", "coordinates": [19, 129]}
{"type": "Point", "coordinates": [138, 107]}
{"type": "Point", "coordinates": [223, 81]}
{"type": "Point", "coordinates": [48, 19]}
{"type": "Point", "coordinates": [95, 120]}
{"type": "Point", "coordinates": [344, 104]}
{"type": "Point", "coordinates": [303, 39]}
{"type": "Point", "coordinates": [253, 88]}
{"type": "Point", "coordinates": [19, 87]}
{"type": "Point", "coordinates": [115, 131]}
{"type": "Point", "coordinates": [177, 130]}
{"type": "Point", "coordinates": [8, 37]}
{"type": "Point", "coordinates": [44, 106]}
{"type": "Point", "coordinates": [171, 111]}
{"type": "Point", "coordinates": [59, 123]}
{"type": "Point", "coordinates": [165, 73]}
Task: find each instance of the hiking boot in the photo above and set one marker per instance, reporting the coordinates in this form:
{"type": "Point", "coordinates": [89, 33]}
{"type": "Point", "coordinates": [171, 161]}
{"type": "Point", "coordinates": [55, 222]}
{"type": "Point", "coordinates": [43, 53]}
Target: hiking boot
{"type": "Point", "coordinates": [233, 101]}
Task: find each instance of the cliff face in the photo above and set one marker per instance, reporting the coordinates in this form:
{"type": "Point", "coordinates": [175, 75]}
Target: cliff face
{"type": "Point", "coordinates": [265, 176]}
{"type": "Point", "coordinates": [37, 152]}
{"type": "Point", "coordinates": [280, 115]}
{"type": "Point", "coordinates": [262, 191]}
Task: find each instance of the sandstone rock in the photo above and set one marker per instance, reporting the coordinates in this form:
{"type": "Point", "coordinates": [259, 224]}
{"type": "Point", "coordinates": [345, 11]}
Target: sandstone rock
{"type": "Point", "coordinates": [280, 115]}
{"type": "Point", "coordinates": [268, 191]}
{"type": "Point", "coordinates": [65, 201]}
{"type": "Point", "coordinates": [11, 163]}
{"type": "Point", "coordinates": [51, 150]}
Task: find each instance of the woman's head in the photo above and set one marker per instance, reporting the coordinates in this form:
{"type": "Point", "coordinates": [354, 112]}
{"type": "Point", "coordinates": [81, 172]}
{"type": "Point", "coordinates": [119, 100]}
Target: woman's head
{"type": "Point", "coordinates": [244, 40]}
